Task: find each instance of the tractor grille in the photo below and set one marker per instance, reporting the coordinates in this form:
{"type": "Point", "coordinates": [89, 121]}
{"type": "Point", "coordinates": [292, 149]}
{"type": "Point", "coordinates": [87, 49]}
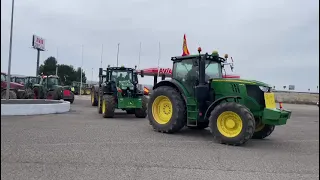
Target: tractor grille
{"type": "Point", "coordinates": [235, 88]}
{"type": "Point", "coordinates": [256, 93]}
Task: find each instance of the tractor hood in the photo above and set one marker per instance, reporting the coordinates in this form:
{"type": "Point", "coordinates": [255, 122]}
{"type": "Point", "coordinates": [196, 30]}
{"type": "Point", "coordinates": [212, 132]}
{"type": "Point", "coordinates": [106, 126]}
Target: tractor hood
{"type": "Point", "coordinates": [126, 84]}
{"type": "Point", "coordinates": [241, 81]}
{"type": "Point", "coordinates": [14, 85]}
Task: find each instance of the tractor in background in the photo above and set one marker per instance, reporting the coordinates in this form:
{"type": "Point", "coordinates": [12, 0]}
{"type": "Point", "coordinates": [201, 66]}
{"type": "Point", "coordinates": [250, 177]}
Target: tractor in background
{"type": "Point", "coordinates": [16, 89]}
{"type": "Point", "coordinates": [50, 87]}
{"type": "Point", "coordinates": [197, 96]}
{"type": "Point", "coordinates": [75, 87]}
{"type": "Point", "coordinates": [118, 89]}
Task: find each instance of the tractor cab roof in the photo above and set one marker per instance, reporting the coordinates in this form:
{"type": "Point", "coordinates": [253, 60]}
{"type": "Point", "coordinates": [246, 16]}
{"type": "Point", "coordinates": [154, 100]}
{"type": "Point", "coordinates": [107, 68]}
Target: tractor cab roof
{"type": "Point", "coordinates": [213, 57]}
{"type": "Point", "coordinates": [121, 68]}
{"type": "Point", "coordinates": [50, 76]}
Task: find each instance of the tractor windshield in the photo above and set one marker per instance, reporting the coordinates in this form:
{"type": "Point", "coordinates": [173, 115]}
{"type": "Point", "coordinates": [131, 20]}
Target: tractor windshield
{"type": "Point", "coordinates": [187, 69]}
{"type": "Point", "coordinates": [32, 80]}
{"type": "Point", "coordinates": [53, 81]}
{"type": "Point", "coordinates": [121, 75]}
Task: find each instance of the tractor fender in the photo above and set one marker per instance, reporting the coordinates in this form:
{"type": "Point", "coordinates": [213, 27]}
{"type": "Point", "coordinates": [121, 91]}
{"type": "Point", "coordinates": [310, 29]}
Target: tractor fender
{"type": "Point", "coordinates": [175, 84]}
{"type": "Point", "coordinates": [216, 102]}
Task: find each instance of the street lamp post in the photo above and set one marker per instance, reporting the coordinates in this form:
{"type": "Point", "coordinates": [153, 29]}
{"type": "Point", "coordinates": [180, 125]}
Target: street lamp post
{"type": "Point", "coordinates": [10, 52]}
{"type": "Point", "coordinates": [81, 69]}
{"type": "Point", "coordinates": [118, 54]}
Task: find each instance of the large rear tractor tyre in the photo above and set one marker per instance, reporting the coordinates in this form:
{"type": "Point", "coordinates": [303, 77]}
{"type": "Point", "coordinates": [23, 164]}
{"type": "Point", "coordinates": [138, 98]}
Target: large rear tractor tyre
{"type": "Point", "coordinates": [231, 123]}
{"type": "Point", "coordinates": [166, 110]}
{"type": "Point", "coordinates": [108, 106]}
{"type": "Point", "coordinates": [200, 126]}
{"type": "Point", "coordinates": [12, 94]}
{"type": "Point", "coordinates": [262, 131]}
{"type": "Point", "coordinates": [94, 101]}
{"type": "Point", "coordinates": [142, 112]}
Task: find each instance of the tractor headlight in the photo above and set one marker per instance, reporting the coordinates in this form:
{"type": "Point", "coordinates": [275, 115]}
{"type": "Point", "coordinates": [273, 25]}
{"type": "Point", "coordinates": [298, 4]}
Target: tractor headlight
{"type": "Point", "coordinates": [265, 89]}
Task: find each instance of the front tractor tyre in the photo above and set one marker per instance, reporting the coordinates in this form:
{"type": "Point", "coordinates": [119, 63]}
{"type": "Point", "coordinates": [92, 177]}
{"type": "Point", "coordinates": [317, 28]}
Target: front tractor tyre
{"type": "Point", "coordinates": [142, 112]}
{"type": "Point", "coordinates": [94, 101]}
{"type": "Point", "coordinates": [108, 106]}
{"type": "Point", "coordinates": [166, 110]}
{"type": "Point", "coordinates": [231, 123]}
{"type": "Point", "coordinates": [262, 131]}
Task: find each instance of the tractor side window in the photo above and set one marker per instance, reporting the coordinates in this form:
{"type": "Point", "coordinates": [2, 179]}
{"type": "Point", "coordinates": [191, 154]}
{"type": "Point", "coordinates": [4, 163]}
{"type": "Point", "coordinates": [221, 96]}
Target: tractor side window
{"type": "Point", "coordinates": [181, 69]}
{"type": "Point", "coordinates": [213, 70]}
{"type": "Point", "coordinates": [3, 77]}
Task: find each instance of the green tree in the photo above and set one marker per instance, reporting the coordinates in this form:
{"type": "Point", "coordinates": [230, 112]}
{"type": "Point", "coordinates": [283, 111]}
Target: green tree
{"type": "Point", "coordinates": [67, 73]}
{"type": "Point", "coordinates": [48, 66]}
{"type": "Point", "coordinates": [78, 74]}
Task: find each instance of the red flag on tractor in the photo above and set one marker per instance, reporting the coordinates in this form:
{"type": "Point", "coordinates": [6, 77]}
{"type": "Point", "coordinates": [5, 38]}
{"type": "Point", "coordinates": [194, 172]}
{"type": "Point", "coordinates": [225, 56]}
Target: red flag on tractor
{"type": "Point", "coordinates": [185, 47]}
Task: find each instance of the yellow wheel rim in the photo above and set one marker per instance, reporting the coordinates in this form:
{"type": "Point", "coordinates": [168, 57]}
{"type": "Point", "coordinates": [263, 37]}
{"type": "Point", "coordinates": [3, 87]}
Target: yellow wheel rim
{"type": "Point", "coordinates": [259, 127]}
{"type": "Point", "coordinates": [229, 124]}
{"type": "Point", "coordinates": [82, 91]}
{"type": "Point", "coordinates": [162, 109]}
{"type": "Point", "coordinates": [103, 106]}
{"type": "Point", "coordinates": [87, 91]}
{"type": "Point", "coordinates": [92, 97]}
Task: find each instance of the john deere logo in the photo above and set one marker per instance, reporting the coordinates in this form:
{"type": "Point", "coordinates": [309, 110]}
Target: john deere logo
{"type": "Point", "coordinates": [130, 103]}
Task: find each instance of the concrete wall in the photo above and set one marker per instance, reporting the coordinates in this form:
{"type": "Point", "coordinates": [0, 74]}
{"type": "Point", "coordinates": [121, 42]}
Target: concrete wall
{"type": "Point", "coordinates": [296, 97]}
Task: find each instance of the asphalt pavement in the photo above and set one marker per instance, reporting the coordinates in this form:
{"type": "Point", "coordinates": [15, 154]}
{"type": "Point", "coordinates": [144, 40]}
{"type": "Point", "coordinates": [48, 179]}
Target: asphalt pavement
{"type": "Point", "coordinates": [83, 145]}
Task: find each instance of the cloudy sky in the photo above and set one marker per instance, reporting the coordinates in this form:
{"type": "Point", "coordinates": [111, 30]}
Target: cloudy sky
{"type": "Point", "coordinates": [273, 41]}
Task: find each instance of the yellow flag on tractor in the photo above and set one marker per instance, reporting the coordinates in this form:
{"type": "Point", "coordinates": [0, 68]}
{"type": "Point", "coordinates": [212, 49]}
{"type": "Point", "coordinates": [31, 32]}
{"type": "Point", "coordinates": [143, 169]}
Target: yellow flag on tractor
{"type": "Point", "coordinates": [185, 47]}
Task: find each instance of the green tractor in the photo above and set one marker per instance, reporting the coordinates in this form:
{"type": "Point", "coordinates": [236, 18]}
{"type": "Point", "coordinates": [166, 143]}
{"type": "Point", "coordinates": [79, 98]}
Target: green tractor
{"type": "Point", "coordinates": [197, 96]}
{"type": "Point", "coordinates": [49, 87]}
{"type": "Point", "coordinates": [85, 90]}
{"type": "Point", "coordinates": [118, 90]}
{"type": "Point", "coordinates": [29, 82]}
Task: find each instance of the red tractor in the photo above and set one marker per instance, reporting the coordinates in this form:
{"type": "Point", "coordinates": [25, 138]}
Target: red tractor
{"type": "Point", "coordinates": [16, 90]}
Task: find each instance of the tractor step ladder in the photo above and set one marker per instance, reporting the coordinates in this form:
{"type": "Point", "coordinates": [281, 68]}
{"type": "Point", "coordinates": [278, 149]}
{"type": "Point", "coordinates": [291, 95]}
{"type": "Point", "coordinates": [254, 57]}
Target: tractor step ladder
{"type": "Point", "coordinates": [192, 112]}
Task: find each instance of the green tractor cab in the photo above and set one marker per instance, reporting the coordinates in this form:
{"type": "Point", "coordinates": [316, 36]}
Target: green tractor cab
{"type": "Point", "coordinates": [50, 87]}
{"type": "Point", "coordinates": [118, 90]}
{"type": "Point", "coordinates": [197, 96]}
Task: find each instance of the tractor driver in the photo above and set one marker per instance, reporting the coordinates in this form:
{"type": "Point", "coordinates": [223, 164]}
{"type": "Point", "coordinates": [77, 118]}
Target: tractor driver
{"type": "Point", "coordinates": [193, 75]}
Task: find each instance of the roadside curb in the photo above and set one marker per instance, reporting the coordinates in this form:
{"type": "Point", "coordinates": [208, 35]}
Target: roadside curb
{"type": "Point", "coordinates": [33, 107]}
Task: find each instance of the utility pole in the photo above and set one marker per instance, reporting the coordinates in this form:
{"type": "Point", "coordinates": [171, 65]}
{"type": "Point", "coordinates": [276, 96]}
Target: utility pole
{"type": "Point", "coordinates": [139, 55]}
{"type": "Point", "coordinates": [118, 55]}
{"type": "Point", "coordinates": [81, 70]}
{"type": "Point", "coordinates": [57, 61]}
{"type": "Point", "coordinates": [92, 76]}
{"type": "Point", "coordinates": [10, 51]}
{"type": "Point", "coordinates": [159, 60]}
{"type": "Point", "coordinates": [101, 56]}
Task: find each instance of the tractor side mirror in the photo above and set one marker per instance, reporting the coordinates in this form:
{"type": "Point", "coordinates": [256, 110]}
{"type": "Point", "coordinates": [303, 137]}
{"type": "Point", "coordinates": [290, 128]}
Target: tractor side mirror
{"type": "Point", "coordinates": [142, 73]}
{"type": "Point", "coordinates": [100, 71]}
